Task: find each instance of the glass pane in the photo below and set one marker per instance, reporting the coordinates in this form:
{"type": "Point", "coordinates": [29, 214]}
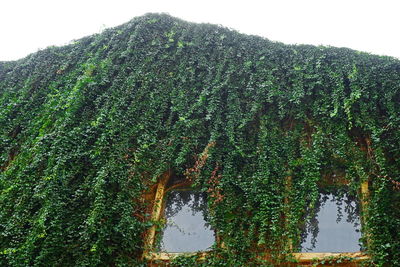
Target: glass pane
{"type": "Point", "coordinates": [186, 229]}
{"type": "Point", "coordinates": [335, 226]}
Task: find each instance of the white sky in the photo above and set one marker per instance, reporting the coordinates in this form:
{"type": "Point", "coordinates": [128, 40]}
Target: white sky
{"type": "Point", "coordinates": [371, 26]}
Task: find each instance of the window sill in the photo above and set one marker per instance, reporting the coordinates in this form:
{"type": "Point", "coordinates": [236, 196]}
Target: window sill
{"type": "Point", "coordinates": [306, 257]}
{"type": "Point", "coordinates": [167, 256]}
{"type": "Point", "coordinates": [303, 258]}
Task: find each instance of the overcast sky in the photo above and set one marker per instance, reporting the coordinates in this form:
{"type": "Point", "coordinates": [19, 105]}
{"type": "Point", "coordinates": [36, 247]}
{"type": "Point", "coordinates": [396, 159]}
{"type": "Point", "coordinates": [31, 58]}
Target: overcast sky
{"type": "Point", "coordinates": [372, 26]}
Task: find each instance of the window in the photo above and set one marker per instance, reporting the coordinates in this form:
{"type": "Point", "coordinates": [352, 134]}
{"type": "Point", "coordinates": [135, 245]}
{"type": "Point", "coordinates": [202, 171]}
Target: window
{"type": "Point", "coordinates": [184, 212]}
{"type": "Point", "coordinates": [335, 226]}
{"type": "Point", "coordinates": [186, 228]}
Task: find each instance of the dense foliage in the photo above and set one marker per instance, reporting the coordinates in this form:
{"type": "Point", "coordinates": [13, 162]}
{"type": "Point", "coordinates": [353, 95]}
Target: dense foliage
{"type": "Point", "coordinates": [88, 127]}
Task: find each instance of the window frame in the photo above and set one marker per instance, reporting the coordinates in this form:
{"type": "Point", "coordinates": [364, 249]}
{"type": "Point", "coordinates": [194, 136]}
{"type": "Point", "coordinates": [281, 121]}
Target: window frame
{"type": "Point", "coordinates": [157, 215]}
{"type": "Point", "coordinates": [311, 257]}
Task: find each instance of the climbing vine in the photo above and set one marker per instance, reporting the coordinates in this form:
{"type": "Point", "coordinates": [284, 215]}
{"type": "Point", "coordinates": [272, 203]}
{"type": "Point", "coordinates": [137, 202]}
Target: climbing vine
{"type": "Point", "coordinates": [88, 127]}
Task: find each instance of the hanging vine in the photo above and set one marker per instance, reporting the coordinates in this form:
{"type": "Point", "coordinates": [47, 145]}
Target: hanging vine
{"type": "Point", "coordinates": [87, 127]}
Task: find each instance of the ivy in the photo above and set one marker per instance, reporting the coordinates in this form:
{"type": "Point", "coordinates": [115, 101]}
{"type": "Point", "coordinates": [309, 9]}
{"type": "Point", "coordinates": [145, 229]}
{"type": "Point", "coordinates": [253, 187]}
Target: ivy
{"type": "Point", "coordinates": [87, 128]}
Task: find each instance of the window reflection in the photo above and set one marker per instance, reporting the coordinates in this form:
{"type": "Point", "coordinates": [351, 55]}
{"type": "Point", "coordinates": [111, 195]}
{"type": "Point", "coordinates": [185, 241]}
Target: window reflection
{"type": "Point", "coordinates": [335, 226]}
{"type": "Point", "coordinates": [186, 229]}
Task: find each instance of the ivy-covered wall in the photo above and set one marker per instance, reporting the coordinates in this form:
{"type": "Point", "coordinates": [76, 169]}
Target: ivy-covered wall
{"type": "Point", "coordinates": [87, 128]}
